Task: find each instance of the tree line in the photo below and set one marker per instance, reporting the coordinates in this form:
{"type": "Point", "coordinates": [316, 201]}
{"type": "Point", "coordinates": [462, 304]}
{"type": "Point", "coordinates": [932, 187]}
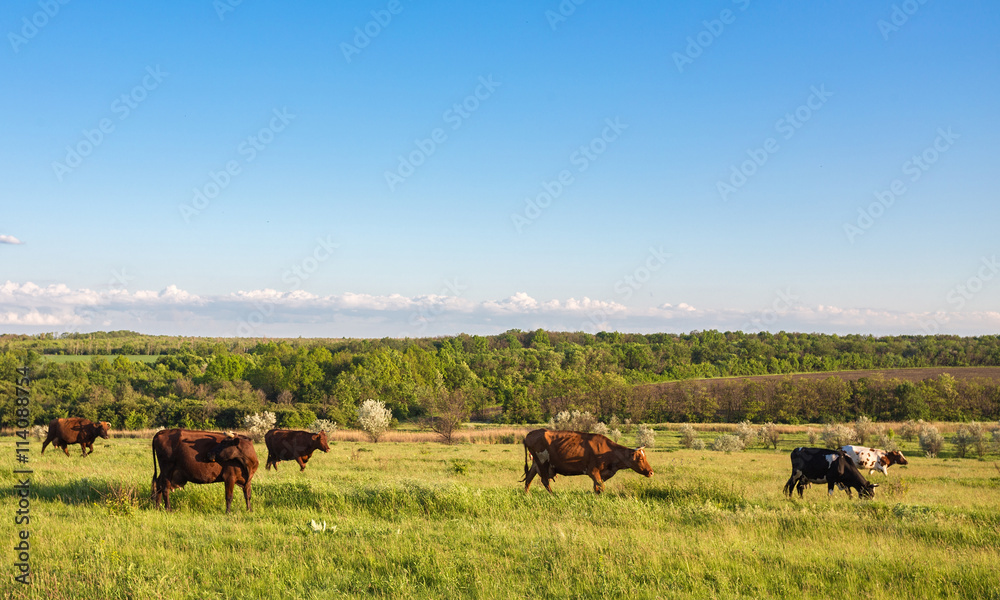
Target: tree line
{"type": "Point", "coordinates": [514, 377]}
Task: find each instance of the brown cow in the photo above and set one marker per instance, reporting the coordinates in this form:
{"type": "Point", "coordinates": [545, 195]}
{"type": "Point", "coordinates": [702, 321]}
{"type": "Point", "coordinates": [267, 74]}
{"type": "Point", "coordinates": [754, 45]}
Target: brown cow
{"type": "Point", "coordinates": [574, 453]}
{"type": "Point", "coordinates": [75, 430]}
{"type": "Point", "coordinates": [293, 444]}
{"type": "Point", "coordinates": [184, 456]}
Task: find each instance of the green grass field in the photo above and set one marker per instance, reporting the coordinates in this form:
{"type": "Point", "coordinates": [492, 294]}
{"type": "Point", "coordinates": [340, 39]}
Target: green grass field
{"type": "Point", "coordinates": [424, 520]}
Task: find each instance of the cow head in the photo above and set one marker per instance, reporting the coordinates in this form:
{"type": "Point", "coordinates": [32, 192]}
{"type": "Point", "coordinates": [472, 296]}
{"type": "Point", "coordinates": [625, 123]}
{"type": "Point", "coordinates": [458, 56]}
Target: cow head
{"type": "Point", "coordinates": [237, 448]}
{"type": "Point", "coordinates": [639, 462]}
{"type": "Point", "coordinates": [896, 458]}
{"type": "Point", "coordinates": [103, 428]}
{"type": "Point", "coordinates": [320, 440]}
{"type": "Point", "coordinates": [867, 490]}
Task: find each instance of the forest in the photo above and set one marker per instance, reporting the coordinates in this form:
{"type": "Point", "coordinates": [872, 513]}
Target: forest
{"type": "Point", "coordinates": [138, 381]}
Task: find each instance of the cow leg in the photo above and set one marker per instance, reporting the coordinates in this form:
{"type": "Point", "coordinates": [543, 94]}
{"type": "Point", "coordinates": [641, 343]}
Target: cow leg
{"type": "Point", "coordinates": [546, 480]}
{"type": "Point", "coordinates": [45, 443]}
{"type": "Point", "coordinates": [800, 486]}
{"type": "Point", "coordinates": [302, 462]}
{"type": "Point", "coordinates": [529, 474]}
{"type": "Point", "coordinates": [598, 483]}
{"type": "Point", "coordinates": [230, 484]}
{"type": "Point", "coordinates": [789, 486]}
{"type": "Point", "coordinates": [65, 448]}
{"type": "Point", "coordinates": [246, 494]}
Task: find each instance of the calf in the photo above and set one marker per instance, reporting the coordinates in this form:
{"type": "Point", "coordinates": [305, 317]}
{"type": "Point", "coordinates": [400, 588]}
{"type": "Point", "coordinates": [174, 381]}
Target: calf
{"type": "Point", "coordinates": [574, 453]}
{"type": "Point", "coordinates": [832, 467]}
{"type": "Point", "coordinates": [874, 459]}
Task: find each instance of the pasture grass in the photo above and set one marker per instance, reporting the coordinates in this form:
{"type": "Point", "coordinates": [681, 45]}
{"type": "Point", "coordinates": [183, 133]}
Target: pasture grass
{"type": "Point", "coordinates": [424, 520]}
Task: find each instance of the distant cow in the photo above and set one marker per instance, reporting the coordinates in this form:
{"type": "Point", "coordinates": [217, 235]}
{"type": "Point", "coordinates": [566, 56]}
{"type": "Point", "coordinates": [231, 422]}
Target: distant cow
{"type": "Point", "coordinates": [832, 467]}
{"type": "Point", "coordinates": [187, 456]}
{"type": "Point", "coordinates": [293, 444]}
{"type": "Point", "coordinates": [75, 430]}
{"type": "Point", "coordinates": [573, 453]}
{"type": "Point", "coordinates": [874, 459]}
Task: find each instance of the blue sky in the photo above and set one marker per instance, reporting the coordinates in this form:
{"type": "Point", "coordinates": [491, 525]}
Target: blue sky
{"type": "Point", "coordinates": [420, 168]}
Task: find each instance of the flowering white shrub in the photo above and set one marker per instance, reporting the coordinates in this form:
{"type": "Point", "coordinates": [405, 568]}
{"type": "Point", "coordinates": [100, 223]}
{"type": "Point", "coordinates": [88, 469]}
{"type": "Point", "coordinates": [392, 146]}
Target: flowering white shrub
{"type": "Point", "coordinates": [688, 435]}
{"type": "Point", "coordinates": [864, 430]}
{"type": "Point", "coordinates": [812, 436]}
{"type": "Point", "coordinates": [931, 441]}
{"type": "Point", "coordinates": [40, 432]}
{"type": "Point", "coordinates": [769, 434]}
{"type": "Point", "coordinates": [374, 418]}
{"type": "Point", "coordinates": [645, 436]}
{"type": "Point", "coordinates": [616, 435]}
{"type": "Point", "coordinates": [323, 425]}
{"type": "Point", "coordinates": [835, 436]}
{"type": "Point", "coordinates": [259, 424]}
{"type": "Point", "coordinates": [573, 421]}
{"type": "Point", "coordinates": [728, 442]}
{"type": "Point", "coordinates": [601, 428]}
{"type": "Point", "coordinates": [746, 432]}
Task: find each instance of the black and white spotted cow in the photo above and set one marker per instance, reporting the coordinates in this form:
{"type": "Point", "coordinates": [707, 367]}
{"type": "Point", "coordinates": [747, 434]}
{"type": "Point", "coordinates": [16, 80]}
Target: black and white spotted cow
{"type": "Point", "coordinates": [832, 467]}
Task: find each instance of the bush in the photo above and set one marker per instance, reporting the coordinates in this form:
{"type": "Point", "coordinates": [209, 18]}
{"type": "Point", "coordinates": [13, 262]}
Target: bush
{"type": "Point", "coordinates": [835, 436]}
{"type": "Point", "coordinates": [259, 424]}
{"type": "Point", "coordinates": [770, 435]}
{"type": "Point", "coordinates": [645, 436]}
{"type": "Point", "coordinates": [615, 435]}
{"type": "Point", "coordinates": [728, 442]}
{"type": "Point", "coordinates": [812, 436]}
{"type": "Point", "coordinates": [864, 430]}
{"type": "Point", "coordinates": [323, 425]}
{"type": "Point", "coordinates": [688, 435]}
{"type": "Point", "coordinates": [887, 443]}
{"type": "Point", "coordinates": [601, 428]}
{"type": "Point", "coordinates": [931, 441]}
{"type": "Point", "coordinates": [40, 432]}
{"type": "Point", "coordinates": [970, 435]}
{"type": "Point", "coordinates": [909, 430]}
{"type": "Point", "coordinates": [374, 418]}
{"type": "Point", "coordinates": [573, 421]}
{"type": "Point", "coordinates": [746, 432]}
{"type": "Point", "coordinates": [698, 444]}
{"type": "Point", "coordinates": [447, 412]}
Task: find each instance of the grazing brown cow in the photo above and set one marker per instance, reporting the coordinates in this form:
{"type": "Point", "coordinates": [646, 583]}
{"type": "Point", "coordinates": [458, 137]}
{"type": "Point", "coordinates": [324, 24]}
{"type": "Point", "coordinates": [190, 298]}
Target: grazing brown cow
{"type": "Point", "coordinates": [75, 430]}
{"type": "Point", "coordinates": [293, 444]}
{"type": "Point", "coordinates": [202, 457]}
{"type": "Point", "coordinates": [574, 453]}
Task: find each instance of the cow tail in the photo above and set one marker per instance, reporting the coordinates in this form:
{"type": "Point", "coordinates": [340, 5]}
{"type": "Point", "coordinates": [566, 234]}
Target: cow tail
{"type": "Point", "coordinates": [525, 478]}
{"type": "Point", "coordinates": [153, 449]}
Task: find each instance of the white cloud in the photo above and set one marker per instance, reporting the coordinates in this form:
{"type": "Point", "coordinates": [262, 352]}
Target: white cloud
{"type": "Point", "coordinates": [30, 308]}
{"type": "Point", "coordinates": [9, 239]}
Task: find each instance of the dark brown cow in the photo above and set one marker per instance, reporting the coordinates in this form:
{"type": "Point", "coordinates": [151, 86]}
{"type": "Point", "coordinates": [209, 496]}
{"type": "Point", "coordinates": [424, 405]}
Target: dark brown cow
{"type": "Point", "coordinates": [574, 453]}
{"type": "Point", "coordinates": [202, 457]}
{"type": "Point", "coordinates": [293, 444]}
{"type": "Point", "coordinates": [75, 430]}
